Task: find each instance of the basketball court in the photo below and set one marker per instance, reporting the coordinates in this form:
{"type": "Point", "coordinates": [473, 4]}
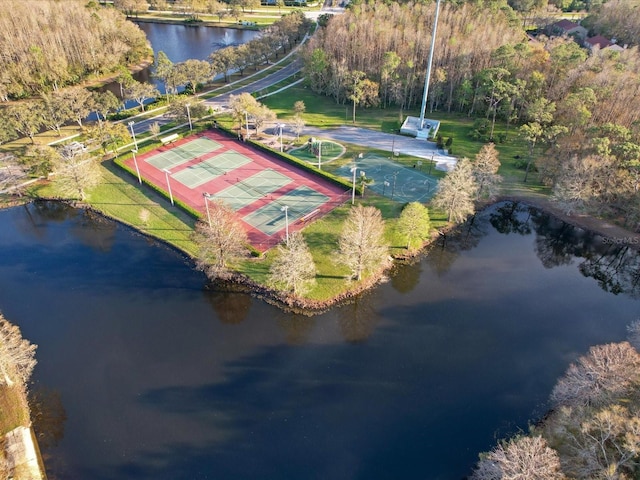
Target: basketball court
{"type": "Point", "coordinates": [211, 166]}
{"type": "Point", "coordinates": [393, 180]}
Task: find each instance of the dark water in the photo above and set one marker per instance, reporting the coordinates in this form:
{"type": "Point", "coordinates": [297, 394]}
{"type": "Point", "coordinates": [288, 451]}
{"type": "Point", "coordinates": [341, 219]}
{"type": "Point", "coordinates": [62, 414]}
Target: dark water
{"type": "Point", "coordinates": [147, 376]}
{"type": "Point", "coordinates": [182, 42]}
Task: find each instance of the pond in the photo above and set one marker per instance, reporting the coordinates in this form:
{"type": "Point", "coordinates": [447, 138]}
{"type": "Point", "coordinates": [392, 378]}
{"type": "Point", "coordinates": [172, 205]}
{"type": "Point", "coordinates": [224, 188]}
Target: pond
{"type": "Point", "coordinates": [145, 374]}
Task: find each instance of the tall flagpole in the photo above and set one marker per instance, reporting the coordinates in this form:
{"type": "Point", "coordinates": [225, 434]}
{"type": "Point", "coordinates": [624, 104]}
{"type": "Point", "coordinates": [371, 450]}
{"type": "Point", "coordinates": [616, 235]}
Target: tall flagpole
{"type": "Point", "coordinates": [428, 78]}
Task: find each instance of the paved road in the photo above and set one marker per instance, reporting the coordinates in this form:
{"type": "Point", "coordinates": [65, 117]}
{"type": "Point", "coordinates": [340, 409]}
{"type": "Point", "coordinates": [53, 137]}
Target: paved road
{"type": "Point", "coordinates": [381, 141]}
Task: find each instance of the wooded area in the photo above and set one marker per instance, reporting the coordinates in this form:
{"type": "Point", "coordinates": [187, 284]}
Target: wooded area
{"type": "Point", "coordinates": [47, 44]}
{"type": "Point", "coordinates": [582, 108]}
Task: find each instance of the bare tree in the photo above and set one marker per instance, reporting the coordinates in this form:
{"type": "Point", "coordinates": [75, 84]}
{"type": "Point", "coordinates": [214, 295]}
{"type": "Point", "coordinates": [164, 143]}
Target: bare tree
{"type": "Point", "coordinates": [220, 241]}
{"type": "Point", "coordinates": [414, 223]}
{"type": "Point", "coordinates": [74, 174]}
{"type": "Point", "coordinates": [522, 458]}
{"type": "Point", "coordinates": [485, 171]}
{"type": "Point", "coordinates": [362, 247]}
{"type": "Point", "coordinates": [607, 372]}
{"type": "Point", "coordinates": [17, 355]}
{"type": "Point", "coordinates": [456, 192]}
{"type": "Point", "coordinates": [293, 269]}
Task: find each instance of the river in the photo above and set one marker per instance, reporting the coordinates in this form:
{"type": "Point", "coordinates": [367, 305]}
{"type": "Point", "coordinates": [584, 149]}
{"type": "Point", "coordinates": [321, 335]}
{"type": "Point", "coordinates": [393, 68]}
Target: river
{"type": "Point", "coordinates": [145, 374]}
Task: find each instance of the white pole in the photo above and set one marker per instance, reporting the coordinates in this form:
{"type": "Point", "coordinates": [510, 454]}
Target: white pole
{"type": "Point", "coordinates": [135, 162]}
{"type": "Point", "coordinates": [281, 146]}
{"type": "Point", "coordinates": [189, 116]}
{"type": "Point", "coordinates": [246, 122]}
{"type": "Point", "coordinates": [133, 134]}
{"type": "Point", "coordinates": [319, 154]}
{"type": "Point", "coordinates": [353, 193]}
{"type": "Point", "coordinates": [429, 64]}
{"type": "Point", "coordinates": [206, 206]}
{"type": "Point", "coordinates": [285, 209]}
{"type": "Point", "coordinates": [166, 175]}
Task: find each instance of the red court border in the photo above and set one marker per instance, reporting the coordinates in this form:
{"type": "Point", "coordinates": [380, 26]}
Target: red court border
{"type": "Point", "coordinates": [260, 161]}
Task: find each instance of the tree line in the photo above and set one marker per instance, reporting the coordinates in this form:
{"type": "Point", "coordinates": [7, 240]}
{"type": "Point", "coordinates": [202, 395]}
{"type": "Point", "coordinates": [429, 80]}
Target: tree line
{"type": "Point", "coordinates": [582, 108]}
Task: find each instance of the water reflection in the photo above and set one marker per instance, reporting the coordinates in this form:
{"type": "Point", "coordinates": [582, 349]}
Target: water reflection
{"type": "Point", "coordinates": [231, 308]}
{"type": "Point", "coordinates": [508, 218]}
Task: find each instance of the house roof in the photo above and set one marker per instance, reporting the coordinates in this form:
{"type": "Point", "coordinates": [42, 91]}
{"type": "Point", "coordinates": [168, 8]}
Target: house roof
{"type": "Point", "coordinates": [566, 25]}
{"type": "Point", "coordinates": [600, 41]}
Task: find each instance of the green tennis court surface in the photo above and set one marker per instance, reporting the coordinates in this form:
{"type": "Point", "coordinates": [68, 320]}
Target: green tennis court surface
{"type": "Point", "coordinates": [207, 170]}
{"type": "Point", "coordinates": [393, 180]}
{"type": "Point", "coordinates": [301, 201]}
{"type": "Point", "coordinates": [245, 192]}
{"type": "Point", "coordinates": [183, 153]}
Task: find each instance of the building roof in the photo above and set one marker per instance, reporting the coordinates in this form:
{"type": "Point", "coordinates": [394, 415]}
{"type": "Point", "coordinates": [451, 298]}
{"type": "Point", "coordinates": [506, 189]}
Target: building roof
{"type": "Point", "coordinates": [566, 25]}
{"type": "Point", "coordinates": [600, 41]}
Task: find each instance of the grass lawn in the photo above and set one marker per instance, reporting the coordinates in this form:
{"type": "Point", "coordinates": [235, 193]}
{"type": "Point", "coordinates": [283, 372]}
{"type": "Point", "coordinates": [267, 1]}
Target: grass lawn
{"type": "Point", "coordinates": [122, 198]}
{"type": "Point", "coordinates": [14, 410]}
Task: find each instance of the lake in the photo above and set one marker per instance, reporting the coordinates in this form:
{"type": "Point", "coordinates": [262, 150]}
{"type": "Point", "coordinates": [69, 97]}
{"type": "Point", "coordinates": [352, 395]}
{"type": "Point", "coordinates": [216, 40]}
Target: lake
{"type": "Point", "coordinates": [146, 374]}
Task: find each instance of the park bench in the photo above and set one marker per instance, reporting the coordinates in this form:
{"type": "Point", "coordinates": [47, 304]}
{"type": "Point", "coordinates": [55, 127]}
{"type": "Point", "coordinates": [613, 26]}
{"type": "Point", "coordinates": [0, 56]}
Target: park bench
{"type": "Point", "coordinates": [169, 138]}
{"type": "Point", "coordinates": [309, 215]}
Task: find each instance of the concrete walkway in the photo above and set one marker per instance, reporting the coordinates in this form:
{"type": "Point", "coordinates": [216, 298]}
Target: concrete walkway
{"type": "Point", "coordinates": [381, 141]}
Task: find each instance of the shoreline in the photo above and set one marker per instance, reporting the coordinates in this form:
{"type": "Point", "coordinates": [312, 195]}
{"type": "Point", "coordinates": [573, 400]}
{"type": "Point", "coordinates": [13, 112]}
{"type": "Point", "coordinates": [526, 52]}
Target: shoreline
{"type": "Point", "coordinates": [239, 283]}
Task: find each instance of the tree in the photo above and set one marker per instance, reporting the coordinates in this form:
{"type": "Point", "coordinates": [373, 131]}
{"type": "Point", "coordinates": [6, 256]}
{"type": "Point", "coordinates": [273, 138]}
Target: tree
{"type": "Point", "coordinates": [108, 134]}
{"type": "Point", "coordinates": [56, 112]}
{"type": "Point", "coordinates": [140, 91]}
{"type": "Point", "coordinates": [293, 269]}
{"type": "Point", "coordinates": [362, 247]}
{"type": "Point", "coordinates": [74, 174]}
{"type": "Point", "coordinates": [25, 118]}
{"type": "Point", "coordinates": [222, 61]}
{"type": "Point", "coordinates": [360, 90]}
{"type": "Point", "coordinates": [456, 192]}
{"type": "Point", "coordinates": [178, 109]}
{"type": "Point", "coordinates": [261, 115]}
{"type": "Point", "coordinates": [105, 103]}
{"type": "Point", "coordinates": [607, 372]}
{"type": "Point", "coordinates": [17, 355]}
{"type": "Point", "coordinates": [194, 72]}
{"type": "Point", "coordinates": [39, 160]}
{"type": "Point", "coordinates": [299, 107]}
{"type": "Point", "coordinates": [241, 105]}
{"type": "Point", "coordinates": [414, 223]}
{"type": "Point", "coordinates": [7, 129]}
{"type": "Point", "coordinates": [521, 458]}
{"type": "Point", "coordinates": [79, 102]}
{"type": "Point", "coordinates": [485, 171]}
{"type": "Point", "coordinates": [298, 126]}
{"type": "Point", "coordinates": [168, 73]}
{"type": "Point", "coordinates": [220, 241]}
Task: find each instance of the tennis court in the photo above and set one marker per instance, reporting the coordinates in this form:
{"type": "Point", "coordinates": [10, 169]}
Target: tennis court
{"type": "Point", "coordinates": [211, 168]}
{"type": "Point", "coordinates": [244, 192]}
{"type": "Point", "coordinates": [300, 202]}
{"type": "Point", "coordinates": [393, 180]}
{"type": "Point", "coordinates": [183, 153]}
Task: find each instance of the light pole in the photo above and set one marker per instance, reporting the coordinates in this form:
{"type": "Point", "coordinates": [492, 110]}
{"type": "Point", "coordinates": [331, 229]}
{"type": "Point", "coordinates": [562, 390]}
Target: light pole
{"type": "Point", "coordinates": [281, 126]}
{"type": "Point", "coordinates": [166, 175]}
{"type": "Point", "coordinates": [353, 193]}
{"type": "Point", "coordinates": [363, 180]}
{"type": "Point", "coordinates": [319, 154]}
{"type": "Point", "coordinates": [285, 209]}
{"type": "Point", "coordinates": [207, 196]}
{"type": "Point", "coordinates": [133, 134]}
{"type": "Point", "coordinates": [135, 162]}
{"type": "Point", "coordinates": [246, 123]}
{"type": "Point", "coordinates": [393, 191]}
{"type": "Point", "coordinates": [189, 115]}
